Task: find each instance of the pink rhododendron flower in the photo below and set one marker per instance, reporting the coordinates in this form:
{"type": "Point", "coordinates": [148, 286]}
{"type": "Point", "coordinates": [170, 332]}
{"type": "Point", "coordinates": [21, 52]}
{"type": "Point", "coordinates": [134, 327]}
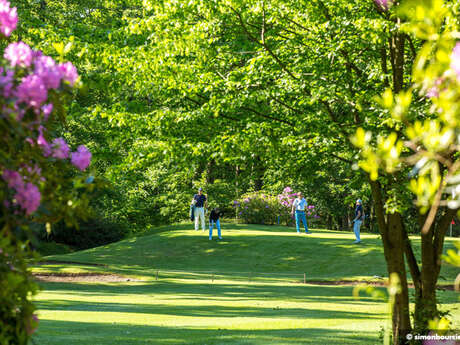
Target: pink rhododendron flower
{"type": "Point", "coordinates": [384, 4]}
{"type": "Point", "coordinates": [18, 54]}
{"type": "Point", "coordinates": [60, 149]}
{"type": "Point", "coordinates": [6, 82]}
{"type": "Point", "coordinates": [287, 190]}
{"type": "Point", "coordinates": [434, 91]}
{"type": "Point", "coordinates": [69, 72]}
{"type": "Point", "coordinates": [8, 18]}
{"type": "Point", "coordinates": [455, 60]}
{"type": "Point", "coordinates": [36, 54]}
{"type": "Point", "coordinates": [13, 178]}
{"type": "Point", "coordinates": [28, 197]}
{"type": "Point", "coordinates": [81, 158]}
{"type": "Point", "coordinates": [19, 112]}
{"type": "Point", "coordinates": [41, 141]}
{"type": "Point", "coordinates": [32, 91]}
{"type": "Point", "coordinates": [47, 109]}
{"type": "Point", "coordinates": [35, 170]}
{"type": "Point", "coordinates": [45, 67]}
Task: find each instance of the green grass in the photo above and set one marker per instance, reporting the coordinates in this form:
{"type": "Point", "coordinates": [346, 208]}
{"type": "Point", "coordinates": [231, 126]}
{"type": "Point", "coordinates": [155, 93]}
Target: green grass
{"type": "Point", "coordinates": [245, 289]}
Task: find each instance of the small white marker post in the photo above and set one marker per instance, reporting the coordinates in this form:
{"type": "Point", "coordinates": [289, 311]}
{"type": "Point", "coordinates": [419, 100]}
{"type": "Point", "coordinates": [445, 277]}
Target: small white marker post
{"type": "Point", "coordinates": [305, 278]}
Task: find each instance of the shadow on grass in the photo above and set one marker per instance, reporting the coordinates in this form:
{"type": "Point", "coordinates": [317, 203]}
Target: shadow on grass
{"type": "Point", "coordinates": [263, 253]}
{"type": "Point", "coordinates": [318, 255]}
{"type": "Point", "coordinates": [181, 290]}
{"type": "Point", "coordinates": [206, 311]}
{"type": "Point", "coordinates": [52, 332]}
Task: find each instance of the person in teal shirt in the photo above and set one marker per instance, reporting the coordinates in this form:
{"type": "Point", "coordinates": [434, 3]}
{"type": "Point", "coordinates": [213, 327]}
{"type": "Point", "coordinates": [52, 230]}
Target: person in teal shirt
{"type": "Point", "coordinates": [298, 206]}
{"type": "Point", "coordinates": [359, 217]}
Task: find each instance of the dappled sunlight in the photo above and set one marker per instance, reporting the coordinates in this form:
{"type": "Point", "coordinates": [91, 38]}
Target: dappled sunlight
{"type": "Point", "coordinates": [187, 305]}
{"type": "Point", "coordinates": [250, 284]}
{"type": "Point", "coordinates": [125, 333]}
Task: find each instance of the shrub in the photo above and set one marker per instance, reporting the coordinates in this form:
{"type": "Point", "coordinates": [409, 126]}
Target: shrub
{"type": "Point", "coordinates": [263, 208]}
{"type": "Point", "coordinates": [90, 233]}
{"type": "Point", "coordinates": [41, 180]}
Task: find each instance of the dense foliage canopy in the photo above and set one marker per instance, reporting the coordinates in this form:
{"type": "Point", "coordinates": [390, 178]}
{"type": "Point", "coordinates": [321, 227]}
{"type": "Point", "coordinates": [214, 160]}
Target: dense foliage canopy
{"type": "Point", "coordinates": [240, 96]}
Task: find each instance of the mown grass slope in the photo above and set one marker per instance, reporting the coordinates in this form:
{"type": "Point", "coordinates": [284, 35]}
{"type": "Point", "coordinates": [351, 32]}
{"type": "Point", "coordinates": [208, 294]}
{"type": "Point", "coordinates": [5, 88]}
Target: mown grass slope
{"type": "Point", "coordinates": [246, 289]}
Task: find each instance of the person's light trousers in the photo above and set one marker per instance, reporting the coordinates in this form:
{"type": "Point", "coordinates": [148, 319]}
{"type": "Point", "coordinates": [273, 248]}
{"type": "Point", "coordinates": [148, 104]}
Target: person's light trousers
{"type": "Point", "coordinates": [199, 213]}
{"type": "Point", "coordinates": [211, 224]}
{"type": "Point", "coordinates": [300, 216]}
{"type": "Point", "coordinates": [356, 228]}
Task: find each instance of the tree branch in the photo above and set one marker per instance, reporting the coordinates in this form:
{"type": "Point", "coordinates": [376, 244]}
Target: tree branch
{"type": "Point", "coordinates": [296, 111]}
{"type": "Point", "coordinates": [379, 208]}
{"type": "Point", "coordinates": [412, 261]}
{"type": "Point", "coordinates": [267, 116]}
{"type": "Point", "coordinates": [334, 119]}
{"type": "Point", "coordinates": [440, 231]}
{"type": "Point", "coordinates": [220, 113]}
{"type": "Point", "coordinates": [263, 44]}
{"type": "Point", "coordinates": [341, 158]}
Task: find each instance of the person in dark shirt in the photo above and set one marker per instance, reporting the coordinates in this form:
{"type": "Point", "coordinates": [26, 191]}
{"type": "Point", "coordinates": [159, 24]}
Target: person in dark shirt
{"type": "Point", "coordinates": [214, 219]}
{"type": "Point", "coordinates": [200, 202]}
{"type": "Point", "coordinates": [359, 217]}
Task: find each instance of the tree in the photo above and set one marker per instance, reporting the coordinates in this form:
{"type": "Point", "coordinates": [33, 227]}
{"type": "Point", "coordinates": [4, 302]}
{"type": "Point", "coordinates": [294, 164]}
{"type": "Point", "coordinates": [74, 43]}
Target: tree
{"type": "Point", "coordinates": [288, 70]}
{"type": "Point", "coordinates": [424, 137]}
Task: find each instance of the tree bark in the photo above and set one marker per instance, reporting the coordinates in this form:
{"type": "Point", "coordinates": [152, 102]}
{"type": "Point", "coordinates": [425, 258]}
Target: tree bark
{"type": "Point", "coordinates": [258, 170]}
{"type": "Point", "coordinates": [432, 244]}
{"type": "Point", "coordinates": [395, 253]}
{"type": "Point", "coordinates": [393, 248]}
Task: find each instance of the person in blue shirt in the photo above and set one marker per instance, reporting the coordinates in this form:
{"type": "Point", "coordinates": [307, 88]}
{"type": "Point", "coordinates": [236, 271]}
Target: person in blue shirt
{"type": "Point", "coordinates": [214, 219]}
{"type": "Point", "coordinates": [358, 220]}
{"type": "Point", "coordinates": [200, 202]}
{"type": "Point", "coordinates": [298, 206]}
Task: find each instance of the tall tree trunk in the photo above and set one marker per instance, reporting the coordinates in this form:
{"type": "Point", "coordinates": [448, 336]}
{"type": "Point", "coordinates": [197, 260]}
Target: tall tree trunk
{"type": "Point", "coordinates": [432, 244]}
{"type": "Point", "coordinates": [391, 231]}
{"type": "Point", "coordinates": [394, 252]}
{"type": "Point", "coordinates": [258, 171]}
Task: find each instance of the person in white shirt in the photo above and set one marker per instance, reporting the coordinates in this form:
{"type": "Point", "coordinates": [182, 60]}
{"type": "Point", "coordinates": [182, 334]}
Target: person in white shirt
{"type": "Point", "coordinates": [298, 206]}
{"type": "Point", "coordinates": [200, 202]}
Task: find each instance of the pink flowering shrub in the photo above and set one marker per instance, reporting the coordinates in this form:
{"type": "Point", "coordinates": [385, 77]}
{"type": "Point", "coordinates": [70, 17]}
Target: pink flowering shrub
{"type": "Point", "coordinates": [81, 158]}
{"type": "Point", "coordinates": [384, 4]}
{"type": "Point", "coordinates": [263, 208]}
{"type": "Point", "coordinates": [8, 18]}
{"type": "Point", "coordinates": [257, 208]}
{"type": "Point", "coordinates": [38, 172]}
{"type": "Point", "coordinates": [455, 60]}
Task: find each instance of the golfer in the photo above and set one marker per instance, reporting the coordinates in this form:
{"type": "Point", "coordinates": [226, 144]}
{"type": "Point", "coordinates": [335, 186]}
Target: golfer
{"type": "Point", "coordinates": [200, 201]}
{"type": "Point", "coordinates": [359, 216]}
{"type": "Point", "coordinates": [298, 206]}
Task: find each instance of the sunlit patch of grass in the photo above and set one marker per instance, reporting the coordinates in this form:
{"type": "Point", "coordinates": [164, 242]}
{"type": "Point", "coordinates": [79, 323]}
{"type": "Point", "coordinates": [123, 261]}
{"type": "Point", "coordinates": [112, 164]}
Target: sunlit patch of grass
{"type": "Point", "coordinates": [246, 289]}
